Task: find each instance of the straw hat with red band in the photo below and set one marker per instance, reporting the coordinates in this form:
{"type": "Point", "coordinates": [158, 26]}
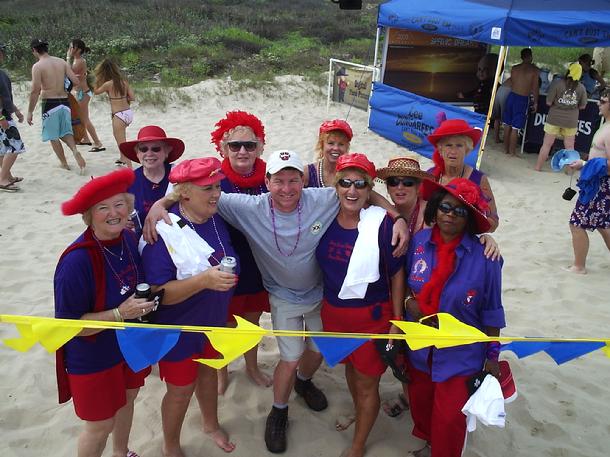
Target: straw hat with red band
{"type": "Point", "coordinates": [235, 119]}
{"type": "Point", "coordinates": [201, 172]}
{"type": "Point", "coordinates": [152, 133]}
{"type": "Point", "coordinates": [356, 160]}
{"type": "Point", "coordinates": [337, 124]}
{"type": "Point", "coordinates": [403, 166]}
{"type": "Point", "coordinates": [468, 193]}
{"type": "Point", "coordinates": [98, 189]}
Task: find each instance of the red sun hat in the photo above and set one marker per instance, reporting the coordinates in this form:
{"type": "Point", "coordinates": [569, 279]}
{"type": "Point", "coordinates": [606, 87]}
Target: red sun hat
{"type": "Point", "coordinates": [98, 189]}
{"type": "Point", "coordinates": [468, 193]}
{"type": "Point", "coordinates": [451, 127]}
{"type": "Point", "coordinates": [356, 160]}
{"type": "Point", "coordinates": [234, 119]}
{"type": "Point", "coordinates": [152, 133]}
{"type": "Point", "coordinates": [337, 124]}
{"type": "Point", "coordinates": [201, 172]}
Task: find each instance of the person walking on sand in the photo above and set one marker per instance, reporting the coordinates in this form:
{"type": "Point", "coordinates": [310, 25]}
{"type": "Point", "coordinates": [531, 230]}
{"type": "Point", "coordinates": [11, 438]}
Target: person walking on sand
{"type": "Point", "coordinates": [83, 92]}
{"type": "Point", "coordinates": [10, 140]}
{"type": "Point", "coordinates": [592, 212]}
{"type": "Point", "coordinates": [524, 77]}
{"type": "Point", "coordinates": [49, 76]}
{"type": "Point", "coordinates": [110, 80]}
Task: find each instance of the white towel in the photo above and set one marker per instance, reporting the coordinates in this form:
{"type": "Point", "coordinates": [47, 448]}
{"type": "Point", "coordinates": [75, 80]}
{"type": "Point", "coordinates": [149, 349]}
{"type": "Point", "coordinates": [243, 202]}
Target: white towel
{"type": "Point", "coordinates": [363, 267]}
{"type": "Point", "coordinates": [189, 252]}
{"type": "Point", "coordinates": [486, 405]}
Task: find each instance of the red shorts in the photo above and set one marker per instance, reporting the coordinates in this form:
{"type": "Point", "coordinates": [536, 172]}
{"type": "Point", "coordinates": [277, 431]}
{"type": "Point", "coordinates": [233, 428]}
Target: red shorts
{"type": "Point", "coordinates": [184, 372]}
{"type": "Point", "coordinates": [249, 303]}
{"type": "Point", "coordinates": [366, 358]}
{"type": "Point", "coordinates": [98, 396]}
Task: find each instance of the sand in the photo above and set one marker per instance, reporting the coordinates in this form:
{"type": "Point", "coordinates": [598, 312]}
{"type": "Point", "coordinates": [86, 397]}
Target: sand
{"type": "Point", "coordinates": [561, 410]}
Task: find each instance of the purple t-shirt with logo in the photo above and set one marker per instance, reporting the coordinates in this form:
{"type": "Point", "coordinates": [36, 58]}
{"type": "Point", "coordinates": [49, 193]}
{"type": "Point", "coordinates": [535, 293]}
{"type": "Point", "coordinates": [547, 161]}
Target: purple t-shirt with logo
{"type": "Point", "coordinates": [207, 307]}
{"type": "Point", "coordinates": [74, 287]}
{"type": "Point", "coordinates": [333, 254]}
{"type": "Point", "coordinates": [472, 294]}
{"type": "Point", "coordinates": [251, 281]}
{"type": "Point", "coordinates": [147, 192]}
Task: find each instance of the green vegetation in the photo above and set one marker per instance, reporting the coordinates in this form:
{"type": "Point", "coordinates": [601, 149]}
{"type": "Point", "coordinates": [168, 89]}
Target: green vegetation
{"type": "Point", "coordinates": [554, 59]}
{"type": "Point", "coordinates": [181, 42]}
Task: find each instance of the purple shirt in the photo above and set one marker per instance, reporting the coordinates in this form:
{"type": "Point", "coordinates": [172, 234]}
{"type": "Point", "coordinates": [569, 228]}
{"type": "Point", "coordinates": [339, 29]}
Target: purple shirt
{"type": "Point", "coordinates": [314, 180]}
{"type": "Point", "coordinates": [472, 294]}
{"type": "Point", "coordinates": [207, 307]}
{"type": "Point", "coordinates": [475, 176]}
{"type": "Point", "coordinates": [148, 192]}
{"type": "Point", "coordinates": [74, 287]}
{"type": "Point", "coordinates": [251, 281]}
{"type": "Point", "coordinates": [333, 254]}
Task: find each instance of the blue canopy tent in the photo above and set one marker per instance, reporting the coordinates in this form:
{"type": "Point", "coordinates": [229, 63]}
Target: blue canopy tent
{"type": "Point", "coordinates": [556, 23]}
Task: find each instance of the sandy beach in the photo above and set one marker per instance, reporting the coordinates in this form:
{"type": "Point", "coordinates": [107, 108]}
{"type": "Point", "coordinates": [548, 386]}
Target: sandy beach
{"type": "Point", "coordinates": [562, 411]}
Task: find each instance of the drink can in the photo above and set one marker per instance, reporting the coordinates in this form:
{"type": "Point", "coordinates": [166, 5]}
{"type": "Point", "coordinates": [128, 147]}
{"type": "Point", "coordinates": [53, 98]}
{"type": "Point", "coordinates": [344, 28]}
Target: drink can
{"type": "Point", "coordinates": [228, 264]}
{"type": "Point", "coordinates": [135, 218]}
{"type": "Point", "coordinates": [142, 290]}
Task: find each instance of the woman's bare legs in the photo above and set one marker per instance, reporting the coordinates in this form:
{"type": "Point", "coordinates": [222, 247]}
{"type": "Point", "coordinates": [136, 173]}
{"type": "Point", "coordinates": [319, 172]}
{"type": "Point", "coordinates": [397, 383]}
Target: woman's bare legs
{"type": "Point", "coordinates": [118, 130]}
{"type": "Point", "coordinates": [122, 425]}
{"type": "Point", "coordinates": [173, 409]}
{"type": "Point", "coordinates": [92, 440]}
{"type": "Point", "coordinates": [543, 154]}
{"type": "Point", "coordinates": [84, 117]}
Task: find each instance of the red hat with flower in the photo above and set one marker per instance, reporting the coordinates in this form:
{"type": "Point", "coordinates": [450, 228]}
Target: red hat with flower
{"type": "Point", "coordinates": [450, 127]}
{"type": "Point", "coordinates": [468, 193]}
{"type": "Point", "coordinates": [201, 172]}
{"type": "Point", "coordinates": [356, 160]}
{"type": "Point", "coordinates": [337, 124]}
{"type": "Point", "coordinates": [152, 133]}
{"type": "Point", "coordinates": [98, 189]}
{"type": "Point", "coordinates": [234, 119]}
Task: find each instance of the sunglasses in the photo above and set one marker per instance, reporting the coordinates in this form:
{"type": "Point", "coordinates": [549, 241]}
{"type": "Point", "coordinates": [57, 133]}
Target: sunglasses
{"type": "Point", "coordinates": [447, 208]}
{"type": "Point", "coordinates": [394, 181]}
{"type": "Point", "coordinates": [602, 102]}
{"type": "Point", "coordinates": [235, 146]}
{"type": "Point", "coordinates": [144, 149]}
{"type": "Point", "coordinates": [358, 183]}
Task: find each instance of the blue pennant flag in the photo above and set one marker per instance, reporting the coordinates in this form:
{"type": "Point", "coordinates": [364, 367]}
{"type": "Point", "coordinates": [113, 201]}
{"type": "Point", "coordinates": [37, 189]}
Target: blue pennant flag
{"type": "Point", "coordinates": [143, 347]}
{"type": "Point", "coordinates": [562, 352]}
{"type": "Point", "coordinates": [336, 349]}
{"type": "Point", "coordinates": [525, 348]}
{"type": "Point", "coordinates": [407, 119]}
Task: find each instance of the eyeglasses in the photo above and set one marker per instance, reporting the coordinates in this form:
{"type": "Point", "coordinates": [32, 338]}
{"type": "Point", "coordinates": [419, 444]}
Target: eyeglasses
{"type": "Point", "coordinates": [144, 149]}
{"type": "Point", "coordinates": [394, 181]}
{"type": "Point", "coordinates": [235, 146]}
{"type": "Point", "coordinates": [447, 208]}
{"type": "Point", "coordinates": [358, 183]}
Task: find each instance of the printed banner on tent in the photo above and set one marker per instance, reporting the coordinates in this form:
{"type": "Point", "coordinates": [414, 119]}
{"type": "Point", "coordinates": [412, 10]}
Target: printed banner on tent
{"type": "Point", "coordinates": [351, 84]}
{"type": "Point", "coordinates": [407, 119]}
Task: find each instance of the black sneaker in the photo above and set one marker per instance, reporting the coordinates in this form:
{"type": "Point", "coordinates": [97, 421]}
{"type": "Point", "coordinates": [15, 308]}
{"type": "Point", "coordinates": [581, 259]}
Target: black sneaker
{"type": "Point", "coordinates": [313, 396]}
{"type": "Point", "coordinates": [275, 430]}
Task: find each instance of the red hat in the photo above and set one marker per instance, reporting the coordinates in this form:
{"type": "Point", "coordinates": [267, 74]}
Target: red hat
{"type": "Point", "coordinates": [337, 124]}
{"type": "Point", "coordinates": [356, 160]}
{"type": "Point", "coordinates": [451, 127]}
{"type": "Point", "coordinates": [98, 189]}
{"type": "Point", "coordinates": [468, 193]}
{"type": "Point", "coordinates": [152, 133]}
{"type": "Point", "coordinates": [201, 172]}
{"type": "Point", "coordinates": [234, 119]}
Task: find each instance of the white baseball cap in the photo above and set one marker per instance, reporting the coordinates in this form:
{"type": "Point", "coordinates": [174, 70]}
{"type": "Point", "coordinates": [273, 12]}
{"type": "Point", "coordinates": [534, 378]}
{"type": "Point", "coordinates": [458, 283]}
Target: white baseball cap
{"type": "Point", "coordinates": [279, 160]}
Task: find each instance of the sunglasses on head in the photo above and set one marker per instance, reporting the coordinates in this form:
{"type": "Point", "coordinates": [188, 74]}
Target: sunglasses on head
{"type": "Point", "coordinates": [358, 183]}
{"type": "Point", "coordinates": [447, 208]}
{"type": "Point", "coordinates": [144, 149]}
{"type": "Point", "coordinates": [235, 146]}
{"type": "Point", "coordinates": [394, 181]}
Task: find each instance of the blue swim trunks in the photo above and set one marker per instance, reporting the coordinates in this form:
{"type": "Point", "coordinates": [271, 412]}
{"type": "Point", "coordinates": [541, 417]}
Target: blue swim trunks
{"type": "Point", "coordinates": [56, 119]}
{"type": "Point", "coordinates": [515, 110]}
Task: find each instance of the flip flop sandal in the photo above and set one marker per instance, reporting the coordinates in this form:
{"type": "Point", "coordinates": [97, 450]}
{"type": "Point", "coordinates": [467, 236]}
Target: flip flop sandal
{"type": "Point", "coordinates": [16, 179]}
{"type": "Point", "coordinates": [9, 188]}
{"type": "Point", "coordinates": [96, 149]}
{"type": "Point", "coordinates": [84, 144]}
{"type": "Point", "coordinates": [131, 454]}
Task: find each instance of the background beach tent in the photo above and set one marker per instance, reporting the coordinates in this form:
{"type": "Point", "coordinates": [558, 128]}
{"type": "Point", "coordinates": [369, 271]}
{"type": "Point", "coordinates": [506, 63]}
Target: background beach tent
{"type": "Point", "coordinates": [553, 23]}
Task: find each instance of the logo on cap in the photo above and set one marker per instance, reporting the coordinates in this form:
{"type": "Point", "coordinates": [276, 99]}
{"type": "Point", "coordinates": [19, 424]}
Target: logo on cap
{"type": "Point", "coordinates": [284, 155]}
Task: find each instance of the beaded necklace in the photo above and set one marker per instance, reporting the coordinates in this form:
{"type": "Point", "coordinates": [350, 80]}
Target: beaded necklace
{"type": "Point", "coordinates": [190, 223]}
{"type": "Point", "coordinates": [124, 287]}
{"type": "Point", "coordinates": [321, 173]}
{"type": "Point", "coordinates": [299, 208]}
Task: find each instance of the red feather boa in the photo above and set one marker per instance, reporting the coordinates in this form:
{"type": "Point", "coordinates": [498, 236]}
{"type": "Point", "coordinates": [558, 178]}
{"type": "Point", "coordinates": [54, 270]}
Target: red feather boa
{"type": "Point", "coordinates": [245, 182]}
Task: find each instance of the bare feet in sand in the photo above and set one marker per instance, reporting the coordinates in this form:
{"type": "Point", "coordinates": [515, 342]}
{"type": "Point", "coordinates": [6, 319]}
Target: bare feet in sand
{"type": "Point", "coordinates": [221, 439]}
{"type": "Point", "coordinates": [64, 166]}
{"type": "Point", "coordinates": [423, 452]}
{"type": "Point", "coordinates": [575, 269]}
{"type": "Point", "coordinates": [80, 161]}
{"type": "Point", "coordinates": [223, 380]}
{"type": "Point", "coordinates": [172, 452]}
{"type": "Point", "coordinates": [259, 378]}
{"type": "Point", "coordinates": [351, 452]}
{"type": "Point", "coordinates": [344, 421]}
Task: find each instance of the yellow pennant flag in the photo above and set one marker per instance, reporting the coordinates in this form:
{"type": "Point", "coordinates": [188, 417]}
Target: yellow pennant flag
{"type": "Point", "coordinates": [233, 344]}
{"type": "Point", "coordinates": [606, 349]}
{"type": "Point", "coordinates": [425, 335]}
{"type": "Point", "coordinates": [25, 342]}
{"type": "Point", "coordinates": [52, 335]}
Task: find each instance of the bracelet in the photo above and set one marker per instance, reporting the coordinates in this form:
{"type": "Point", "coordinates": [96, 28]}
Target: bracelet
{"type": "Point", "coordinates": [117, 315]}
{"type": "Point", "coordinates": [409, 297]}
{"type": "Point", "coordinates": [400, 216]}
{"type": "Point", "coordinates": [493, 350]}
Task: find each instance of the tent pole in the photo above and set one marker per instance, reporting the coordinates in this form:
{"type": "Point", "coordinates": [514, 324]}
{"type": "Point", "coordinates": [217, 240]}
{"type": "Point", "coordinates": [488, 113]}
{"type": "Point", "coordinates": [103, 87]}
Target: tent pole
{"type": "Point", "coordinates": [377, 36]}
{"type": "Point", "coordinates": [499, 70]}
